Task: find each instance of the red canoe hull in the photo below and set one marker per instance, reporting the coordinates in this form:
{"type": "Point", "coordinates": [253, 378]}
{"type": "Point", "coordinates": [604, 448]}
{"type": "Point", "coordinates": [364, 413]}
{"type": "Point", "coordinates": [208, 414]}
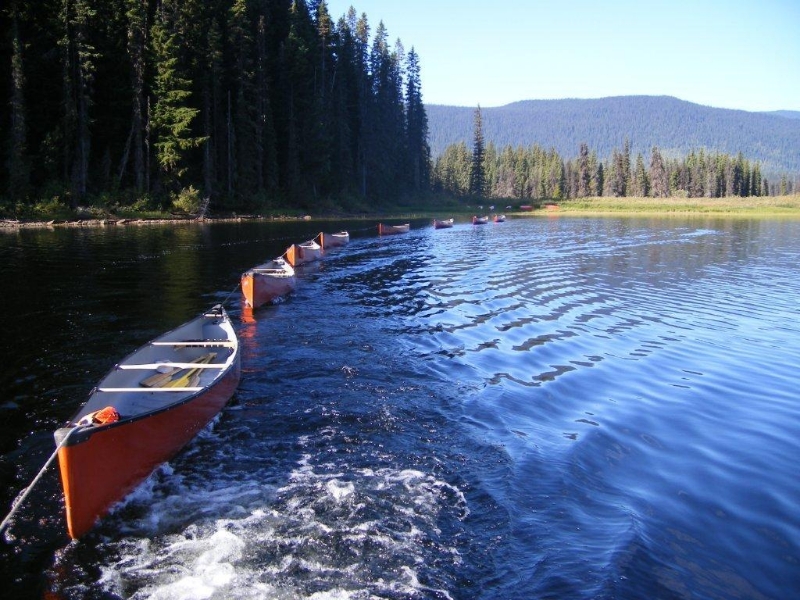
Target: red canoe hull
{"type": "Point", "coordinates": [102, 466]}
{"type": "Point", "coordinates": [259, 289]}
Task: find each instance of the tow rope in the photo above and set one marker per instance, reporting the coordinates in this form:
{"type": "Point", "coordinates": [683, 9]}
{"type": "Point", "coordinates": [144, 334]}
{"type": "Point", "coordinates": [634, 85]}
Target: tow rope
{"type": "Point", "coordinates": [17, 503]}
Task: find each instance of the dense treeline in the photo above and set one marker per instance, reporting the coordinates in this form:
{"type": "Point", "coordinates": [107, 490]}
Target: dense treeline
{"type": "Point", "coordinates": [534, 173]}
{"type": "Point", "coordinates": [250, 103]}
{"type": "Point", "coordinates": [675, 126]}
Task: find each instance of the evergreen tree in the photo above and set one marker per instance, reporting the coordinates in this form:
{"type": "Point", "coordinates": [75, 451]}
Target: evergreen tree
{"type": "Point", "coordinates": [386, 156]}
{"type": "Point", "coordinates": [266, 156]}
{"type": "Point", "coordinates": [584, 176]}
{"type": "Point", "coordinates": [245, 118]}
{"type": "Point", "coordinates": [18, 162]}
{"type": "Point", "coordinates": [477, 175]}
{"type": "Point", "coordinates": [419, 152]}
{"type": "Point", "coordinates": [213, 113]}
{"type": "Point", "coordinates": [619, 179]}
{"type": "Point", "coordinates": [600, 179]}
{"type": "Point", "coordinates": [78, 75]}
{"type": "Point", "coordinates": [640, 185]}
{"type": "Point", "coordinates": [659, 183]}
{"type": "Point", "coordinates": [299, 118]}
{"type": "Point", "coordinates": [137, 38]}
{"type": "Point", "coordinates": [345, 107]}
{"type": "Point", "coordinates": [366, 116]}
{"type": "Point", "coordinates": [172, 115]}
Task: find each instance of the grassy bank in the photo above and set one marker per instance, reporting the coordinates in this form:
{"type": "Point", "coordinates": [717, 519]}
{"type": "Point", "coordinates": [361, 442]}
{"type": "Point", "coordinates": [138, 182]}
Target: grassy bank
{"type": "Point", "coordinates": [767, 206]}
{"type": "Point", "coordinates": [777, 206]}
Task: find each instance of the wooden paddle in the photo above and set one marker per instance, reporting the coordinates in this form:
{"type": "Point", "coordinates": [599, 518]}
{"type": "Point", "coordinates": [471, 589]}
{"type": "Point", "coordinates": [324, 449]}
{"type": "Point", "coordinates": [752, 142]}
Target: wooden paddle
{"type": "Point", "coordinates": [184, 378]}
{"type": "Point", "coordinates": [161, 379]}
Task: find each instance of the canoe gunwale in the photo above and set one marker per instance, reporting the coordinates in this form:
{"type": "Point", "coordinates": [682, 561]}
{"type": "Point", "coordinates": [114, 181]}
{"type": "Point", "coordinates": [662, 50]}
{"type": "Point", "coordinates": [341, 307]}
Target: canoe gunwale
{"type": "Point", "coordinates": [85, 431]}
{"type": "Point", "coordinates": [230, 343]}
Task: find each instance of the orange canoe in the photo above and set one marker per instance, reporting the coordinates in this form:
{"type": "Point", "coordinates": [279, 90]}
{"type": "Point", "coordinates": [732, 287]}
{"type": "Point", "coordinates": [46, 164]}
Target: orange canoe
{"type": "Point", "coordinates": [330, 240]}
{"type": "Point", "coordinates": [143, 412]}
{"type": "Point", "coordinates": [266, 282]}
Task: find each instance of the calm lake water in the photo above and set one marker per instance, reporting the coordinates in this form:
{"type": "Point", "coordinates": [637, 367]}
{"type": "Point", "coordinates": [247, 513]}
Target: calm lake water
{"type": "Point", "coordinates": [544, 408]}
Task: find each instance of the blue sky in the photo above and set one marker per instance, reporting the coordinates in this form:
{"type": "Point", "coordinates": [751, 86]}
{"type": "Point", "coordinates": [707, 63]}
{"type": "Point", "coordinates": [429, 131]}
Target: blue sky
{"type": "Point", "coordinates": [741, 54]}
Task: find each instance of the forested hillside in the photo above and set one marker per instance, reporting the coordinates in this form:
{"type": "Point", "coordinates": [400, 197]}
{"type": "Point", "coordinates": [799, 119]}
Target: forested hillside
{"type": "Point", "coordinates": [674, 126]}
{"type": "Point", "coordinates": [250, 103]}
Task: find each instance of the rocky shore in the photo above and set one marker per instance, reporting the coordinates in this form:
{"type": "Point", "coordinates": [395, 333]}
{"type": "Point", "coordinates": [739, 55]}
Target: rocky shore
{"type": "Point", "coordinates": [13, 224]}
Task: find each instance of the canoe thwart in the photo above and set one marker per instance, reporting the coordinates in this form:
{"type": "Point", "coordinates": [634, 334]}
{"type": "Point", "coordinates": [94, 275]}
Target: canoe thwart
{"type": "Point", "coordinates": [197, 343]}
{"type": "Point", "coordinates": [149, 390]}
{"type": "Point", "coordinates": [173, 365]}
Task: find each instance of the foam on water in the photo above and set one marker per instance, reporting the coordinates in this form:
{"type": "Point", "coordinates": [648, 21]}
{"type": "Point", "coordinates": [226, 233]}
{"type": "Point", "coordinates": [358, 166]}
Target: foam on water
{"type": "Point", "coordinates": [331, 531]}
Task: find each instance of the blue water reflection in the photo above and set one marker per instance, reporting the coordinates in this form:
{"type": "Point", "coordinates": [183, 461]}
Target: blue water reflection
{"type": "Point", "coordinates": [547, 407]}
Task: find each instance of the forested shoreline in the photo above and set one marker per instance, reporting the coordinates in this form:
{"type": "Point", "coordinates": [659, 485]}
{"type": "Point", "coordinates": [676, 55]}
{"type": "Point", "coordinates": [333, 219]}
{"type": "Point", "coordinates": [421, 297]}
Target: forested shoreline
{"type": "Point", "coordinates": [159, 104]}
{"type": "Point", "coordinates": [536, 173]}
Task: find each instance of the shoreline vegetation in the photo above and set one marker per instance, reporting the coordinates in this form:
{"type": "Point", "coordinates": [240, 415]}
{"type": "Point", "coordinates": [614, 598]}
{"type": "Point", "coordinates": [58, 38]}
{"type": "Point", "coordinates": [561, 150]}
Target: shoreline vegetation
{"type": "Point", "coordinates": [763, 207]}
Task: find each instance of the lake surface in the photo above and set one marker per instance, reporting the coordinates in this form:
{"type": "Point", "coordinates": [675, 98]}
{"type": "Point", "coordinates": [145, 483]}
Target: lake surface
{"type": "Point", "coordinates": [543, 408]}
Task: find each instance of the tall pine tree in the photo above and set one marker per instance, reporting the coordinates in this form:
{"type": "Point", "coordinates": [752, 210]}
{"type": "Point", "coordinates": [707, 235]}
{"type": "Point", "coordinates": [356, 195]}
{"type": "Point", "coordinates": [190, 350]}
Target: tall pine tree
{"type": "Point", "coordinates": [419, 152]}
{"type": "Point", "coordinates": [477, 177]}
{"type": "Point", "coordinates": [18, 162]}
{"type": "Point", "coordinates": [172, 114]}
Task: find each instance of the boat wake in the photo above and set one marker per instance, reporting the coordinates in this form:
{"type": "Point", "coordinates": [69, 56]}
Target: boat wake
{"type": "Point", "coordinates": [324, 528]}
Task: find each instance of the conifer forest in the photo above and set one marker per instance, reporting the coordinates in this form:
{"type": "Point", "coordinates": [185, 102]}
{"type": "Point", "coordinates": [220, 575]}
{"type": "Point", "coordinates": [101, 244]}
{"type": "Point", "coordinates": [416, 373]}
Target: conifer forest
{"type": "Point", "coordinates": [249, 103]}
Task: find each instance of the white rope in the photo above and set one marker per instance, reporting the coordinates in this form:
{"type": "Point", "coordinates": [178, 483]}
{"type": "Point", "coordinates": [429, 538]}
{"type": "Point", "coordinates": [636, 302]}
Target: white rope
{"type": "Point", "coordinates": [17, 503]}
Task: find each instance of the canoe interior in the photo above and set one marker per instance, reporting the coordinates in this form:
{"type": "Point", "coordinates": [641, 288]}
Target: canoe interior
{"type": "Point", "coordinates": [274, 268]}
{"type": "Point", "coordinates": [210, 335]}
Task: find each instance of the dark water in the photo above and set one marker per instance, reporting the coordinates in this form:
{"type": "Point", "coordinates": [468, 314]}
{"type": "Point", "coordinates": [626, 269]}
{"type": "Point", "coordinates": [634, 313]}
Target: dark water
{"type": "Point", "coordinates": [544, 408]}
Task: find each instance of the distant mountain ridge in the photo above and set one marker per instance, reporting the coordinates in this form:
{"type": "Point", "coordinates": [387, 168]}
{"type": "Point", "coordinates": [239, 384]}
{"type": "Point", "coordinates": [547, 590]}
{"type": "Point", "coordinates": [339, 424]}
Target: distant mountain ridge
{"type": "Point", "coordinates": [790, 114]}
{"type": "Point", "coordinates": [675, 126]}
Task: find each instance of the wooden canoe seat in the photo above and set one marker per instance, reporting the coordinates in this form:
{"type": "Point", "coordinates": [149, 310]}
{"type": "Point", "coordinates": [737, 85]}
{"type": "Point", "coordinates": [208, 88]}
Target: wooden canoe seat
{"type": "Point", "coordinates": [176, 374]}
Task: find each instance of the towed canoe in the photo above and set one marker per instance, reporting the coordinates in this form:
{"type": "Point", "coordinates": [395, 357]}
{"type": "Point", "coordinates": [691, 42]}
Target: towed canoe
{"type": "Point", "coordinates": [309, 251]}
{"type": "Point", "coordinates": [445, 224]}
{"type": "Point", "coordinates": [329, 240]}
{"type": "Point", "coordinates": [480, 220]}
{"type": "Point", "coordinates": [389, 229]}
{"type": "Point", "coordinates": [298, 254]}
{"type": "Point", "coordinates": [264, 283]}
{"type": "Point", "coordinates": [143, 412]}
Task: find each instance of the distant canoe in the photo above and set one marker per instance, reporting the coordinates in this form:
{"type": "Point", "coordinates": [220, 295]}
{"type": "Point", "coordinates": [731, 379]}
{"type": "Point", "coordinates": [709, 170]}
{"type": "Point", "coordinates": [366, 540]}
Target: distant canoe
{"type": "Point", "coordinates": [390, 229]}
{"type": "Point", "coordinates": [445, 224]}
{"type": "Point", "coordinates": [267, 282]}
{"type": "Point", "coordinates": [499, 218]}
{"type": "Point", "coordinates": [330, 240]}
{"type": "Point", "coordinates": [143, 412]}
{"type": "Point", "coordinates": [480, 220]}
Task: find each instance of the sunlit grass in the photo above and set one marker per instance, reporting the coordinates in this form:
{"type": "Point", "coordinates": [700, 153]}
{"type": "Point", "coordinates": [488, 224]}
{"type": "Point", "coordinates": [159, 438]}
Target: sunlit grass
{"type": "Point", "coordinates": [771, 205]}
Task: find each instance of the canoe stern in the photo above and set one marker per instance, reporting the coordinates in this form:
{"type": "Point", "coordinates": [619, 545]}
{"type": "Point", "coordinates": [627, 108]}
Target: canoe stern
{"type": "Point", "coordinates": [100, 465]}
